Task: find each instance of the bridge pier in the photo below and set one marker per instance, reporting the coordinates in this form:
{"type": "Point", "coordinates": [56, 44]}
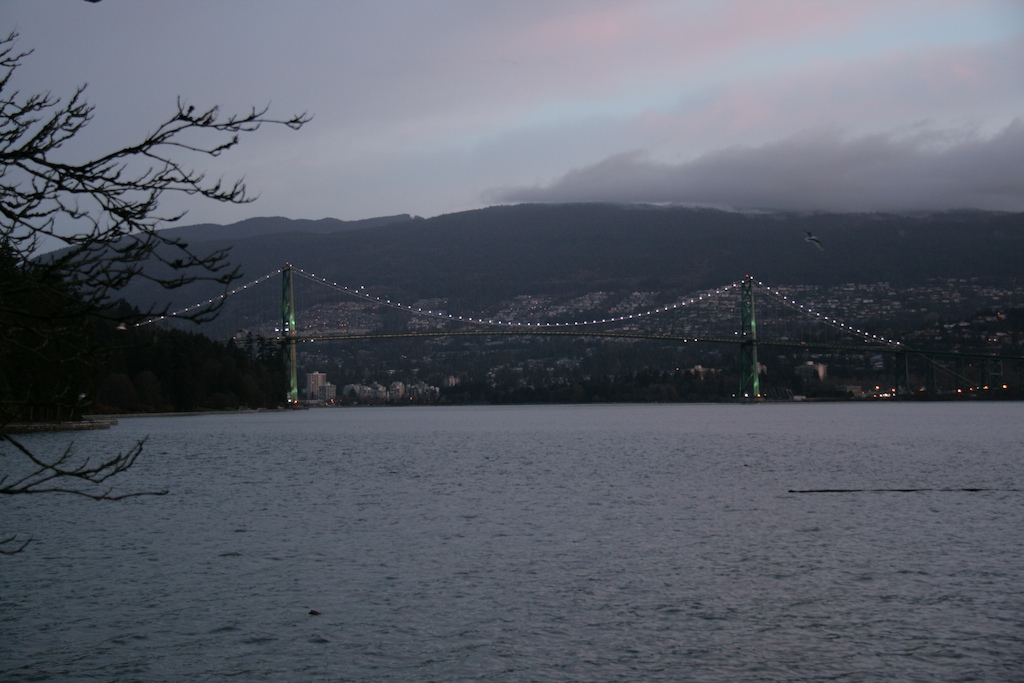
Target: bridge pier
{"type": "Point", "coordinates": [750, 382]}
{"type": "Point", "coordinates": [902, 370]}
{"type": "Point", "coordinates": [288, 333]}
{"type": "Point", "coordinates": [994, 372]}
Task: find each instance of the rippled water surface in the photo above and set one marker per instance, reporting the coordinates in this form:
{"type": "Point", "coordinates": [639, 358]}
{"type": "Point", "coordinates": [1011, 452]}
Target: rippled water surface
{"type": "Point", "coordinates": [611, 543]}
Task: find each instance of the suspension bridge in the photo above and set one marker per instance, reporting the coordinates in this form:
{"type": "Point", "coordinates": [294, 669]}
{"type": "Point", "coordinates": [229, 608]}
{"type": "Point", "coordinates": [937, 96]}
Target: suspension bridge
{"type": "Point", "coordinates": [339, 313]}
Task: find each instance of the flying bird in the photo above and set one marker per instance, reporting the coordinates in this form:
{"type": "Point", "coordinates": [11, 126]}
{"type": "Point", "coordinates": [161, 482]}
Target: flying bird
{"type": "Point", "coordinates": [813, 239]}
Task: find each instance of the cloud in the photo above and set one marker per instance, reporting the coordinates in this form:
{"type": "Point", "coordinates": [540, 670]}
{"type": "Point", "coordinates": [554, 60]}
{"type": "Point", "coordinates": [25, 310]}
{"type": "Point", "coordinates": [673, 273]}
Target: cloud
{"type": "Point", "coordinates": [812, 170]}
{"type": "Point", "coordinates": [420, 107]}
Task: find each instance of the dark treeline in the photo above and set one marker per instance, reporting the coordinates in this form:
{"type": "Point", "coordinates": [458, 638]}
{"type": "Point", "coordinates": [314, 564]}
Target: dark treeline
{"type": "Point", "coordinates": [149, 369]}
{"type": "Point", "coordinates": [44, 365]}
{"type": "Point", "coordinates": [57, 364]}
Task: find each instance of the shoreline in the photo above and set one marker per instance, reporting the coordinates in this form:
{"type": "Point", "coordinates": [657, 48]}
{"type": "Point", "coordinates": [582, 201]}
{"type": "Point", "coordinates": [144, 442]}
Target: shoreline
{"type": "Point", "coordinates": [97, 422]}
{"type": "Point", "coordinates": [106, 421]}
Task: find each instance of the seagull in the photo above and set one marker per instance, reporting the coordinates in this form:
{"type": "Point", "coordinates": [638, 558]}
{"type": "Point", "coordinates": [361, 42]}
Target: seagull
{"type": "Point", "coordinates": [812, 238]}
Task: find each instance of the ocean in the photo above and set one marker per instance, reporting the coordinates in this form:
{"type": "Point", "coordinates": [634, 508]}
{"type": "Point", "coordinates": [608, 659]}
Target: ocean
{"type": "Point", "coordinates": [773, 542]}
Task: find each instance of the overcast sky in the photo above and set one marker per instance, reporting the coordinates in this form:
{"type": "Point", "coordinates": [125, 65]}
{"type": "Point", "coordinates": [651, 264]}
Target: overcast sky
{"type": "Point", "coordinates": [435, 106]}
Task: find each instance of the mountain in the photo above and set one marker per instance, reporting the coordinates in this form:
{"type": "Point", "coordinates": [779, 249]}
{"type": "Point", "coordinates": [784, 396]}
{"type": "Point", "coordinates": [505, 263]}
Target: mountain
{"type": "Point", "coordinates": [478, 257]}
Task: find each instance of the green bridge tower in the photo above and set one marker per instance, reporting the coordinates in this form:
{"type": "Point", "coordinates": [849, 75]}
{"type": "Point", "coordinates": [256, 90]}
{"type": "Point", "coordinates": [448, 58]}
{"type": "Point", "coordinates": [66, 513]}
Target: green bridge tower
{"type": "Point", "coordinates": [750, 384]}
{"type": "Point", "coordinates": [288, 332]}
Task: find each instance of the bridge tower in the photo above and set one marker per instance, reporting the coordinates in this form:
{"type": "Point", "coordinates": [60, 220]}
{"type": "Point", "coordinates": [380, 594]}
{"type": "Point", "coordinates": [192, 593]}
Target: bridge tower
{"type": "Point", "coordinates": [288, 332]}
{"type": "Point", "coordinates": [750, 383]}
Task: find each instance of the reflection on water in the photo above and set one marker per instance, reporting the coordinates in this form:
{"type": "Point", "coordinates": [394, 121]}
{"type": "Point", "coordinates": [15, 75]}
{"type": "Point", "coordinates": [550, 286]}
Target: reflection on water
{"type": "Point", "coordinates": [611, 543]}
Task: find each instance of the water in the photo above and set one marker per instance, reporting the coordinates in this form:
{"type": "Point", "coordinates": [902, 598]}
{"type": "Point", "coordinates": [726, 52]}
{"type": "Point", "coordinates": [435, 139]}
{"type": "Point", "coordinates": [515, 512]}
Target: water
{"type": "Point", "coordinates": [609, 543]}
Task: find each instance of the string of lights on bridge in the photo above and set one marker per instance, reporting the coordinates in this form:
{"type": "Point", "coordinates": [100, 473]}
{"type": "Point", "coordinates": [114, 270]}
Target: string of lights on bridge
{"type": "Point", "coordinates": [360, 292]}
{"type": "Point", "coordinates": [791, 303]}
{"type": "Point", "coordinates": [211, 302]}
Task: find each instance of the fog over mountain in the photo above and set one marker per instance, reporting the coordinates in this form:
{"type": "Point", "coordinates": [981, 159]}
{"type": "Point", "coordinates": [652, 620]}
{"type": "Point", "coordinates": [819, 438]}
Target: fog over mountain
{"type": "Point", "coordinates": [814, 171]}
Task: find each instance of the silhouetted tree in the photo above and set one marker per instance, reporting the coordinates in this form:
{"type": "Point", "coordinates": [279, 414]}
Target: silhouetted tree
{"type": "Point", "coordinates": [102, 217]}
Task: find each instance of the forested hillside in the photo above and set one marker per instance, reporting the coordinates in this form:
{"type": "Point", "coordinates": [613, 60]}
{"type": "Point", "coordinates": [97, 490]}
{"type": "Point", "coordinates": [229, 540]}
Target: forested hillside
{"type": "Point", "coordinates": [477, 257]}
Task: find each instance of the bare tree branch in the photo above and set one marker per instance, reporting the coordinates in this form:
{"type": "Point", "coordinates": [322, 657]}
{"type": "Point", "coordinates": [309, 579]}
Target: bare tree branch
{"type": "Point", "coordinates": [65, 474]}
{"type": "Point", "coordinates": [104, 214]}
{"type": "Point", "coordinates": [106, 210]}
{"type": "Point", "coordinates": [10, 545]}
